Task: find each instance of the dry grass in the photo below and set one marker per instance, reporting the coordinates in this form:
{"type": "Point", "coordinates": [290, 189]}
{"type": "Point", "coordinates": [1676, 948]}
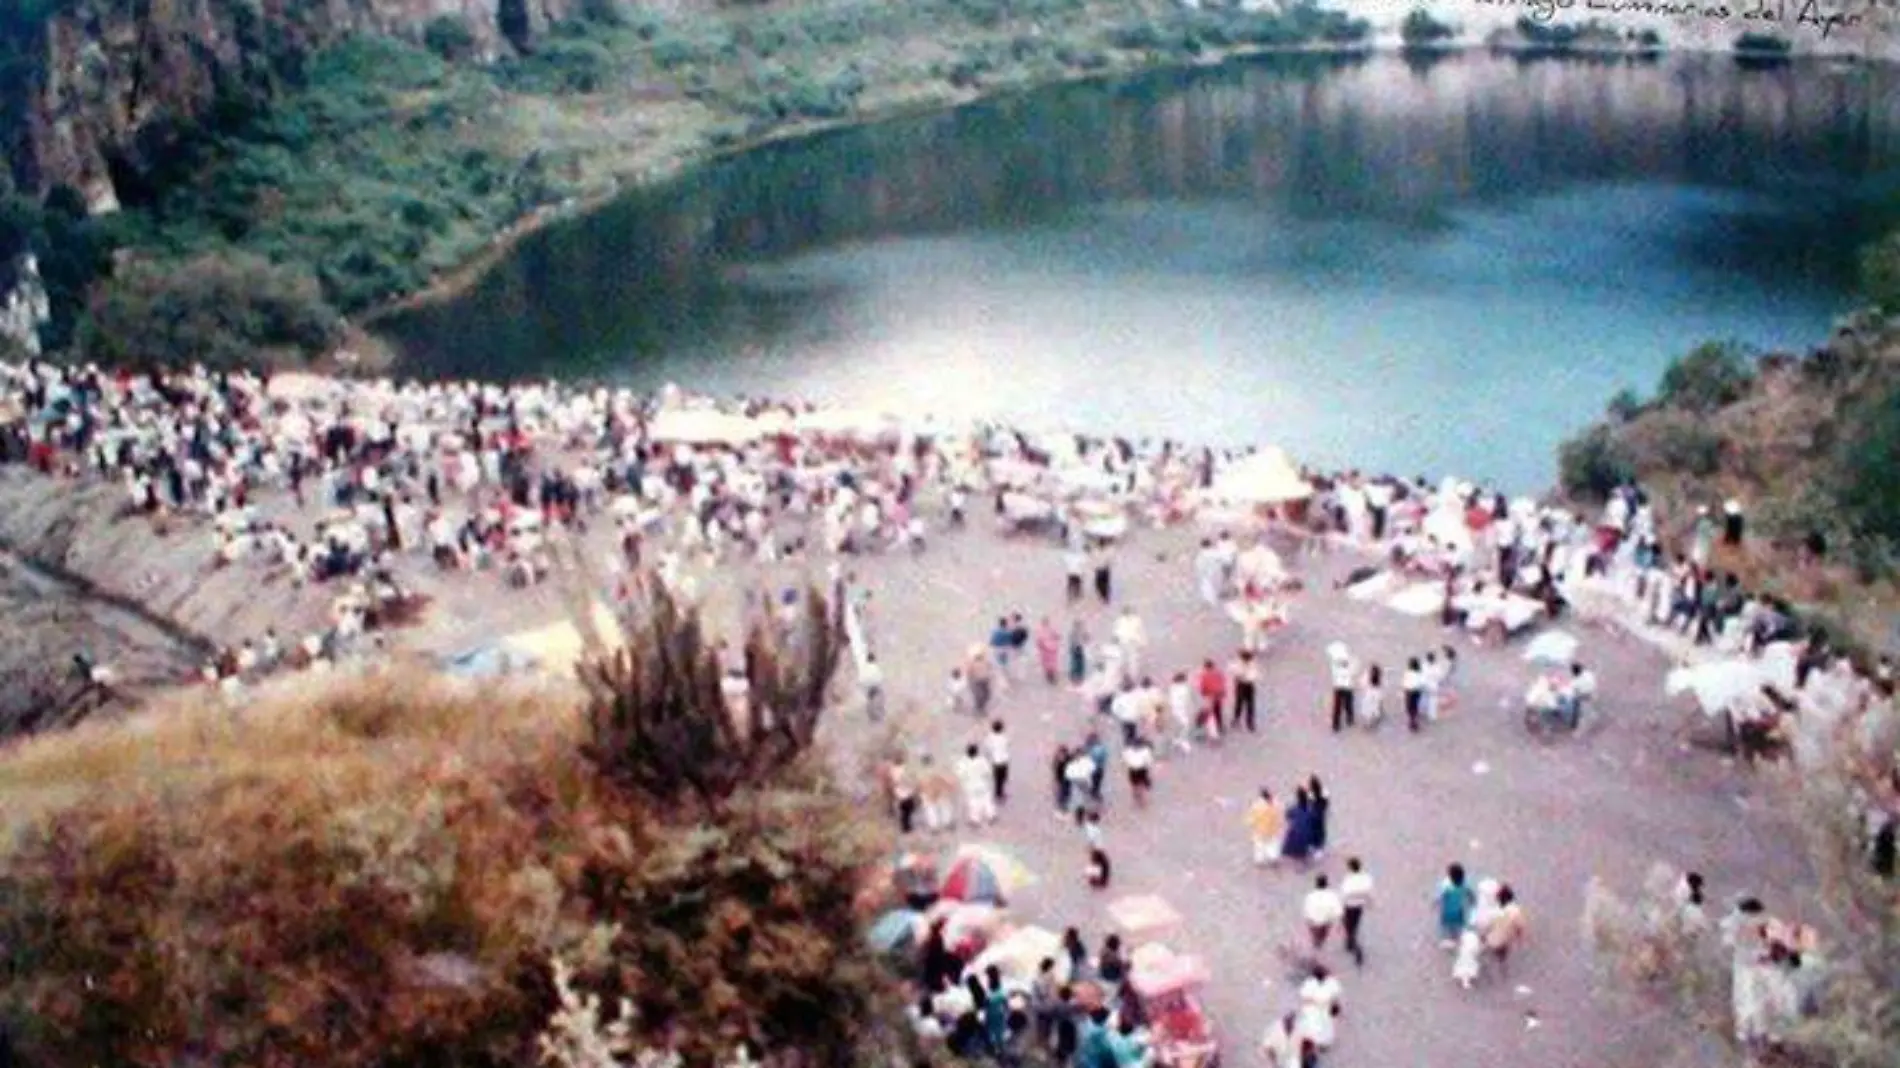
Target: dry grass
{"type": "Point", "coordinates": [377, 871]}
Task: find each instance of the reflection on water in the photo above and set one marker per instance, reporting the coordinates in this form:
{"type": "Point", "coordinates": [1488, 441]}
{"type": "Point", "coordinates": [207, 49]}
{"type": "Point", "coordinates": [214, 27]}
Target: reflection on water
{"type": "Point", "coordinates": [1440, 266]}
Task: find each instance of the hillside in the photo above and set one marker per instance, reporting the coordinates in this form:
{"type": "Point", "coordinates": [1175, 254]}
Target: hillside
{"type": "Point", "coordinates": [1808, 444]}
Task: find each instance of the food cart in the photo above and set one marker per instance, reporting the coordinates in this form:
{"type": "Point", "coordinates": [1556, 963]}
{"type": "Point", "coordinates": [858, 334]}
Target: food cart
{"type": "Point", "coordinates": [1163, 994]}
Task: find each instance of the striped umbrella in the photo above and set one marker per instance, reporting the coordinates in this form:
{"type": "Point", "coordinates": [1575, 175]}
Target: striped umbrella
{"type": "Point", "coordinates": [972, 878]}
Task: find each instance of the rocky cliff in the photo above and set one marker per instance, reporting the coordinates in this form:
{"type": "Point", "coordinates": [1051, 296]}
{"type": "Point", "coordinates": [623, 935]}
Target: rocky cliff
{"type": "Point", "coordinates": [92, 91]}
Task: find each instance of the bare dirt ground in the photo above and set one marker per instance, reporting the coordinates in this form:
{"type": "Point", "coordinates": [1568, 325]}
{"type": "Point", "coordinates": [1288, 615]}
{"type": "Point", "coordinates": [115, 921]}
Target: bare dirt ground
{"type": "Point", "coordinates": [1474, 787]}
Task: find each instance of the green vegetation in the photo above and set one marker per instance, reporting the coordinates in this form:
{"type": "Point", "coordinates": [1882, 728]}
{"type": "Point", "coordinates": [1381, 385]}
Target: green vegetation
{"type": "Point", "coordinates": [388, 873]}
{"type": "Point", "coordinates": [1421, 30]}
{"type": "Point", "coordinates": [1566, 38]}
{"type": "Point", "coordinates": [1763, 44]}
{"type": "Point", "coordinates": [1712, 375]}
{"type": "Point", "coordinates": [378, 166]}
{"type": "Point", "coordinates": [222, 311]}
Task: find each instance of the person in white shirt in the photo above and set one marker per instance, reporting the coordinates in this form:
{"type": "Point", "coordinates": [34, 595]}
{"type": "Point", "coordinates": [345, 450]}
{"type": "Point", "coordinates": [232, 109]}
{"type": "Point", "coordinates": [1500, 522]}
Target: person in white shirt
{"type": "Point", "coordinates": [1139, 756]}
{"type": "Point", "coordinates": [1207, 572]}
{"type": "Point", "coordinates": [1132, 637]}
{"type": "Point", "coordinates": [1321, 909]}
{"type": "Point", "coordinates": [1319, 1004]}
{"type": "Point", "coordinates": [1181, 710]}
{"type": "Point", "coordinates": [1345, 679]}
{"type": "Point", "coordinates": [979, 800]}
{"type": "Point", "coordinates": [1355, 895]}
{"type": "Point", "coordinates": [996, 751]}
{"type": "Point", "coordinates": [1125, 707]}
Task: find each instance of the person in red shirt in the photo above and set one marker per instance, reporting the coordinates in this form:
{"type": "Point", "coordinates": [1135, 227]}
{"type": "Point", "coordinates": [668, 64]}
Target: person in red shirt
{"type": "Point", "coordinates": [1213, 687]}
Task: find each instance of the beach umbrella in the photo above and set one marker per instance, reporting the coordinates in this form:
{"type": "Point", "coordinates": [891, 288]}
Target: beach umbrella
{"type": "Point", "coordinates": [972, 879]}
{"type": "Point", "coordinates": [894, 931]}
{"type": "Point", "coordinates": [1552, 647]}
{"type": "Point", "coordinates": [1012, 873]}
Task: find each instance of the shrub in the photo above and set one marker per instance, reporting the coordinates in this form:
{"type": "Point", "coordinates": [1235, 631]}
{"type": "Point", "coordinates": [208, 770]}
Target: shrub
{"type": "Point", "coordinates": [1624, 406]}
{"type": "Point", "coordinates": [1866, 467]}
{"type": "Point", "coordinates": [1880, 273]}
{"type": "Point", "coordinates": [1711, 376]}
{"type": "Point", "coordinates": [222, 311]}
{"type": "Point", "coordinates": [1592, 464]}
{"type": "Point", "coordinates": [1763, 44]}
{"type": "Point", "coordinates": [1673, 441]}
{"type": "Point", "coordinates": [1420, 29]}
{"type": "Point", "coordinates": [450, 37]}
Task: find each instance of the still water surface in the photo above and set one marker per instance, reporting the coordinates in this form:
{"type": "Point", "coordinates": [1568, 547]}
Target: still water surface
{"type": "Point", "coordinates": [1424, 269]}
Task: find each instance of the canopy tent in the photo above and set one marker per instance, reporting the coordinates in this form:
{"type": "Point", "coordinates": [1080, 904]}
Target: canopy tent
{"type": "Point", "coordinates": [559, 646]}
{"type": "Point", "coordinates": [1265, 477]}
{"type": "Point", "coordinates": [1552, 647]}
{"type": "Point", "coordinates": [1018, 954]}
{"type": "Point", "coordinates": [703, 426]}
{"type": "Point", "coordinates": [1720, 685]}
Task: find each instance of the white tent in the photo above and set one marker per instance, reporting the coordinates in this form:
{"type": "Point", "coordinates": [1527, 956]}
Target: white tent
{"type": "Point", "coordinates": [1552, 647]}
{"type": "Point", "coordinates": [1265, 477]}
{"type": "Point", "coordinates": [702, 427]}
{"type": "Point", "coordinates": [1719, 685]}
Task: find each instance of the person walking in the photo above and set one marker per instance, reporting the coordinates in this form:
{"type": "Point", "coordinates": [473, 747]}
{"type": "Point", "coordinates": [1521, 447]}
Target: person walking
{"type": "Point", "coordinates": [1322, 909]}
{"type": "Point", "coordinates": [1049, 651]}
{"type": "Point", "coordinates": [871, 685]}
{"type": "Point", "coordinates": [1064, 788]}
{"type": "Point", "coordinates": [903, 795]}
{"type": "Point", "coordinates": [982, 679]}
{"type": "Point", "coordinates": [1372, 698]}
{"type": "Point", "coordinates": [1246, 673]}
{"type": "Point", "coordinates": [1132, 638]}
{"type": "Point", "coordinates": [1454, 899]}
{"type": "Point", "coordinates": [996, 751]}
{"type": "Point", "coordinates": [1266, 825]}
{"type": "Point", "coordinates": [1078, 653]}
{"type": "Point", "coordinates": [1355, 895]}
{"type": "Point", "coordinates": [1074, 563]}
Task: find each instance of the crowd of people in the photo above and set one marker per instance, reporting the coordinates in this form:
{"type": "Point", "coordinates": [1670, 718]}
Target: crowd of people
{"type": "Point", "coordinates": [366, 489]}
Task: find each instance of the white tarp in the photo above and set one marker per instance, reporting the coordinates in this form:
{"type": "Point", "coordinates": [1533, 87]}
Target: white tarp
{"type": "Point", "coordinates": [702, 427]}
{"type": "Point", "coordinates": [1722, 685]}
{"type": "Point", "coordinates": [1265, 477]}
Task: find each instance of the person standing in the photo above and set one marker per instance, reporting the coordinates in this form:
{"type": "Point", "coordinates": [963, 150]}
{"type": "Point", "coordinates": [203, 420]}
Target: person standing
{"type": "Point", "coordinates": [982, 682]}
{"type": "Point", "coordinates": [903, 795]}
{"type": "Point", "coordinates": [1181, 711]}
{"type": "Point", "coordinates": [1049, 651]}
{"type": "Point", "coordinates": [1139, 757]}
{"type": "Point", "coordinates": [1074, 562]}
{"type": "Point", "coordinates": [1213, 687]}
{"type": "Point", "coordinates": [1372, 702]}
{"type": "Point", "coordinates": [1132, 637]}
{"type": "Point", "coordinates": [1298, 842]}
{"type": "Point", "coordinates": [1321, 909]}
{"type": "Point", "coordinates": [1320, 804]}
{"type": "Point", "coordinates": [1412, 685]}
{"type": "Point", "coordinates": [1104, 577]}
{"type": "Point", "coordinates": [973, 774]}
{"type": "Point", "coordinates": [938, 790]}
{"type": "Point", "coordinates": [1064, 789]}
{"type": "Point", "coordinates": [1266, 825]}
{"type": "Point", "coordinates": [1246, 672]}
{"type": "Point", "coordinates": [1319, 1007]}
{"type": "Point", "coordinates": [1098, 766]}
{"type": "Point", "coordinates": [996, 751]}
{"type": "Point", "coordinates": [1355, 895]}
{"type": "Point", "coordinates": [1078, 653]}
{"type": "Point", "coordinates": [1344, 679]}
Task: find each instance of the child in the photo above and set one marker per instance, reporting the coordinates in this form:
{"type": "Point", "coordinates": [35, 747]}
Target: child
{"type": "Point", "coordinates": [1464, 967]}
{"type": "Point", "coordinates": [1098, 869]}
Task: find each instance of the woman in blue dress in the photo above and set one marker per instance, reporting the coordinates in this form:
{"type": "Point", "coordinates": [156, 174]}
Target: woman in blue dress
{"type": "Point", "coordinates": [1298, 844]}
{"type": "Point", "coordinates": [1454, 905]}
{"type": "Point", "coordinates": [1322, 806]}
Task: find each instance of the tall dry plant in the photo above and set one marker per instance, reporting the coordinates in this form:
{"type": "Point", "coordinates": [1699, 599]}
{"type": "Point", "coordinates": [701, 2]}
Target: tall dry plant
{"type": "Point", "coordinates": [657, 718]}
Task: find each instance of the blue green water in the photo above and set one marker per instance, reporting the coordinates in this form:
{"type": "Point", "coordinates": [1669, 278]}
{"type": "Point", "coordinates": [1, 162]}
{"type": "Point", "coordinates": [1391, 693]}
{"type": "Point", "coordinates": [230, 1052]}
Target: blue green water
{"type": "Point", "coordinates": [1373, 264]}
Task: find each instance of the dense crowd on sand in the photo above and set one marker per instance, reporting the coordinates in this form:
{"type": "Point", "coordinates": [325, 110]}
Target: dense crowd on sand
{"type": "Point", "coordinates": [352, 486]}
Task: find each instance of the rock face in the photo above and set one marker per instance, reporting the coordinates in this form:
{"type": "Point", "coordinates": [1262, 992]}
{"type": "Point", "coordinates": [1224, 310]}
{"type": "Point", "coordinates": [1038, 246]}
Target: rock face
{"type": "Point", "coordinates": [91, 91]}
